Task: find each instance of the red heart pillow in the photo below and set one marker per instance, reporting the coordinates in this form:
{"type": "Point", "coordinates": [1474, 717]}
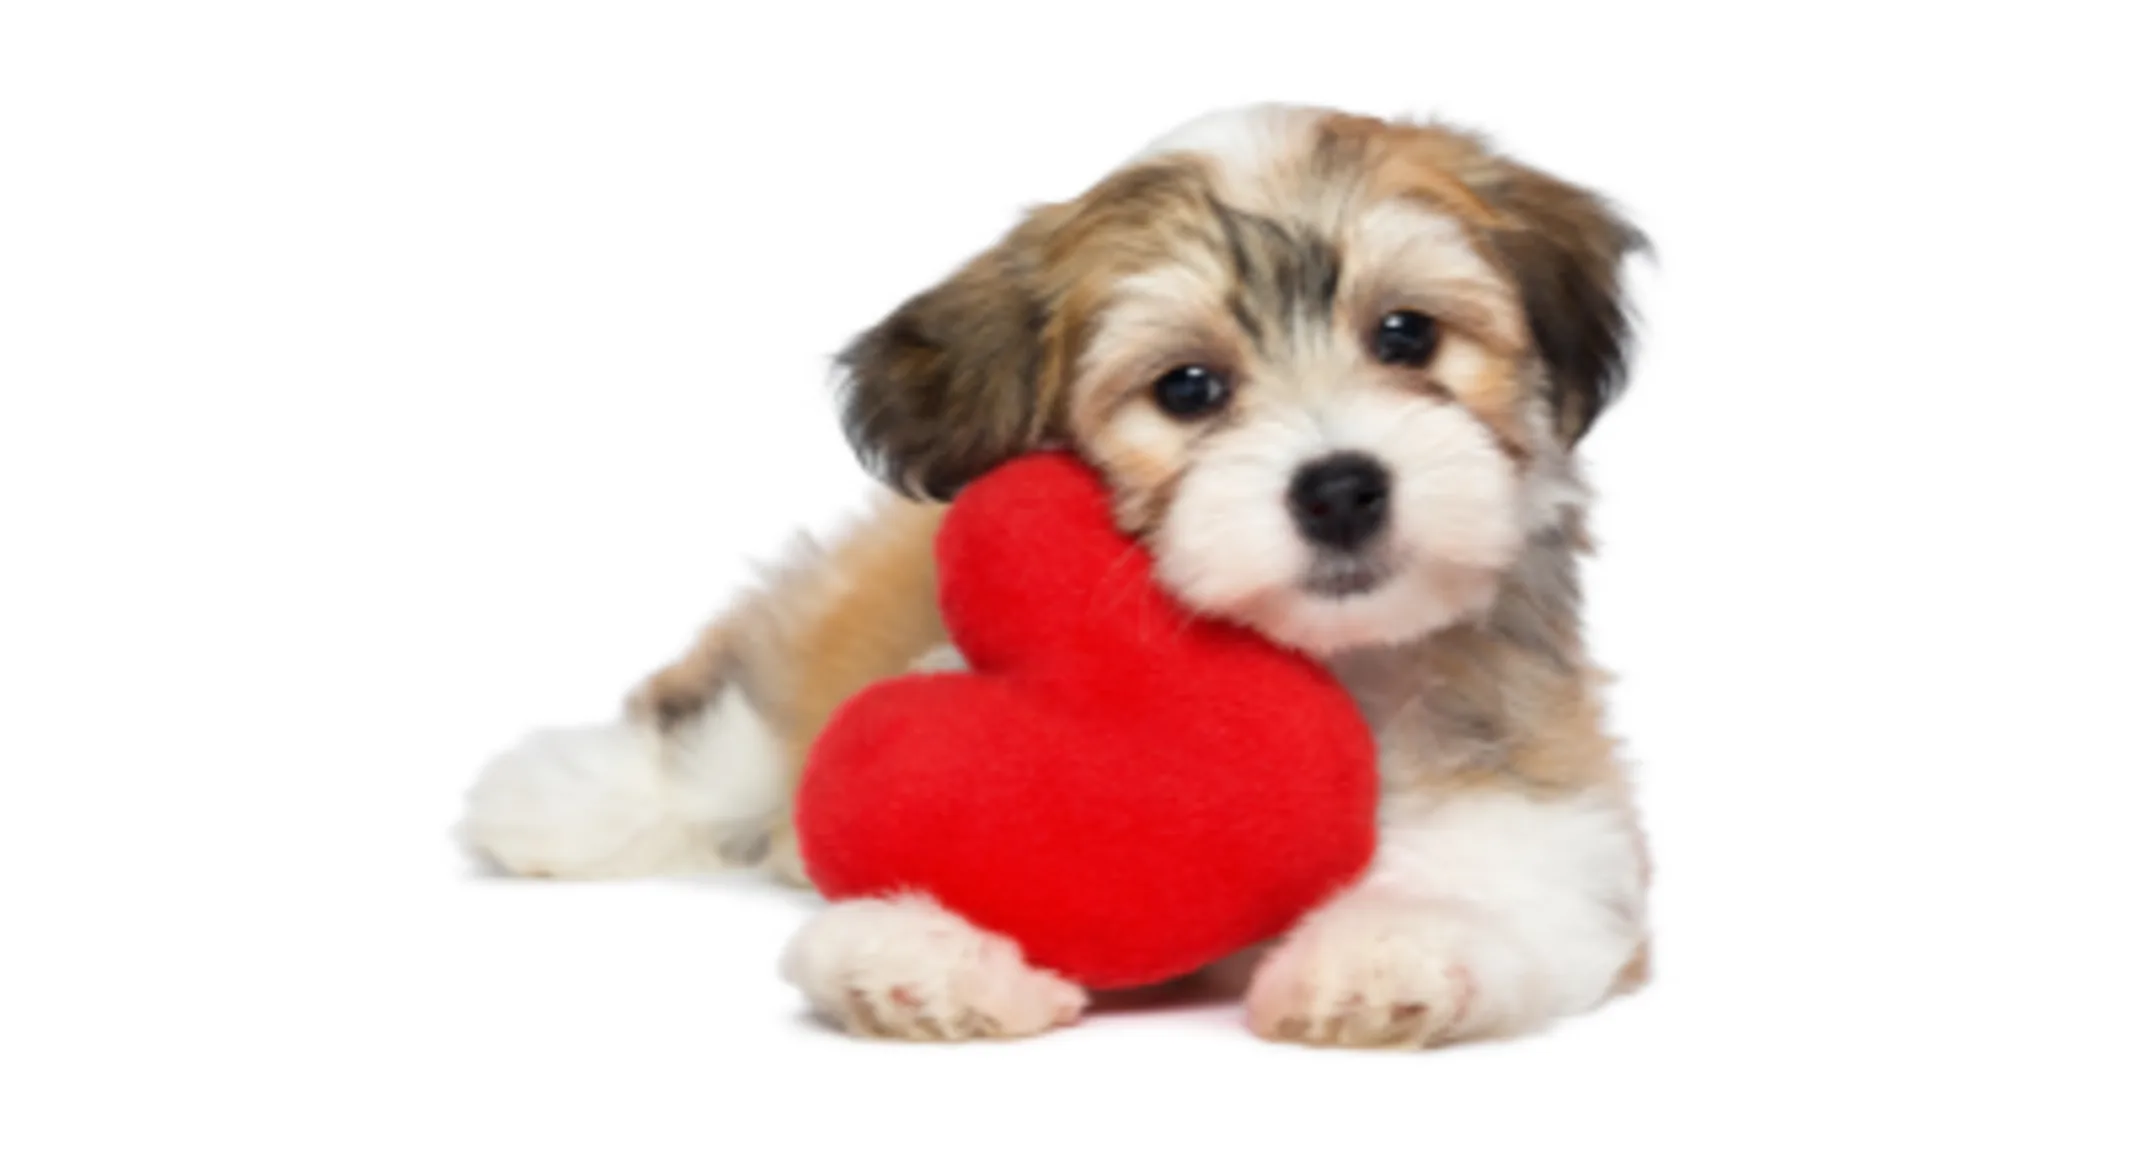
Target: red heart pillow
{"type": "Point", "coordinates": [1127, 790]}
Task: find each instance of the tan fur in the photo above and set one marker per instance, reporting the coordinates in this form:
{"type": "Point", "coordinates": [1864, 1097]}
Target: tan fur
{"type": "Point", "coordinates": [848, 616]}
{"type": "Point", "coordinates": [878, 622]}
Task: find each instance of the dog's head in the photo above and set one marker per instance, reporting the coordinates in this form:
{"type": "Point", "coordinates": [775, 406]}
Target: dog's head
{"type": "Point", "coordinates": [1332, 367]}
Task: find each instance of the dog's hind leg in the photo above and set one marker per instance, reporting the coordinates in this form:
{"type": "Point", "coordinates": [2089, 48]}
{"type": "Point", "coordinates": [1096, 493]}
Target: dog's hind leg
{"type": "Point", "coordinates": [699, 771]}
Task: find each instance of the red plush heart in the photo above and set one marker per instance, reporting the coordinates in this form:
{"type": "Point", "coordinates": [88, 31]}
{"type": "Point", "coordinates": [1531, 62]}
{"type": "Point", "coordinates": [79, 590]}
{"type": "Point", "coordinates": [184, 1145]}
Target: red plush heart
{"type": "Point", "coordinates": [1127, 790]}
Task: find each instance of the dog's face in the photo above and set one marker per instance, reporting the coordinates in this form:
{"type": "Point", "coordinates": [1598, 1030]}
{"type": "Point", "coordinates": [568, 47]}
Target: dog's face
{"type": "Point", "coordinates": [1331, 367]}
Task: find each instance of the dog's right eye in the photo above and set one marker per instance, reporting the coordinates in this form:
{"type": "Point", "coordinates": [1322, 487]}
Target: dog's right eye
{"type": "Point", "coordinates": [1405, 338]}
{"type": "Point", "coordinates": [1192, 391]}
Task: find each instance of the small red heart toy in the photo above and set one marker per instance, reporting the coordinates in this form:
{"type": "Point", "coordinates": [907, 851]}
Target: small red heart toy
{"type": "Point", "coordinates": [1127, 790]}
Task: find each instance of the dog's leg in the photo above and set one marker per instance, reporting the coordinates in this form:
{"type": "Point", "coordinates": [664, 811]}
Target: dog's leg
{"type": "Point", "coordinates": [630, 797]}
{"type": "Point", "coordinates": [1488, 911]}
{"type": "Point", "coordinates": [699, 772]}
{"type": "Point", "coordinates": [905, 968]}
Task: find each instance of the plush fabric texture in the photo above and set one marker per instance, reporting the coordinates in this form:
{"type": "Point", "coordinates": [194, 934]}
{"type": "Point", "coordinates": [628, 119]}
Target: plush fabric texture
{"type": "Point", "coordinates": [1128, 791]}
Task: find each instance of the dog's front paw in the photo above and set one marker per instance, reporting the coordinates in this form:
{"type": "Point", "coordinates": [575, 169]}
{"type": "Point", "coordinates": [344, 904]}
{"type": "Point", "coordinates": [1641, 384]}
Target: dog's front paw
{"type": "Point", "coordinates": [908, 969]}
{"type": "Point", "coordinates": [1385, 973]}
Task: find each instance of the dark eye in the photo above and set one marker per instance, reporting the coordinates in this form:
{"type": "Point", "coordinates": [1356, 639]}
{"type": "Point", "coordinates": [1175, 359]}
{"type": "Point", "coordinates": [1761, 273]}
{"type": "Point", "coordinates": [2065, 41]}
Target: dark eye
{"type": "Point", "coordinates": [1405, 338]}
{"type": "Point", "coordinates": [1191, 391]}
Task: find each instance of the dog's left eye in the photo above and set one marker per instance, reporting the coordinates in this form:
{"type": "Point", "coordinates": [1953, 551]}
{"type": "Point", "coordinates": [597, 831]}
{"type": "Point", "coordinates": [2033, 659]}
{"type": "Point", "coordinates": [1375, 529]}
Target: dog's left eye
{"type": "Point", "coordinates": [1191, 391]}
{"type": "Point", "coordinates": [1405, 338]}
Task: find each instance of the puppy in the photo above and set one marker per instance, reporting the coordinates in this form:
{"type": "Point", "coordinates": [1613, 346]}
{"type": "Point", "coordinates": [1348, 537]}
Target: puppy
{"type": "Point", "coordinates": [1334, 370]}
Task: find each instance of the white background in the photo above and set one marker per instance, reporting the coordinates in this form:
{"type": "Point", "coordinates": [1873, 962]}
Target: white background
{"type": "Point", "coordinates": [383, 379]}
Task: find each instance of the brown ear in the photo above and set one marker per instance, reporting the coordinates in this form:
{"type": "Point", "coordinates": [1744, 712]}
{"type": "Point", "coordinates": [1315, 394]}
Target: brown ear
{"type": "Point", "coordinates": [1567, 247]}
{"type": "Point", "coordinates": [950, 385]}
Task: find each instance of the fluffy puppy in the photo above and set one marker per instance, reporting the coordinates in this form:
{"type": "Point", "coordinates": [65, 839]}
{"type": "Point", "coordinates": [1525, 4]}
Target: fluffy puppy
{"type": "Point", "coordinates": [1334, 370]}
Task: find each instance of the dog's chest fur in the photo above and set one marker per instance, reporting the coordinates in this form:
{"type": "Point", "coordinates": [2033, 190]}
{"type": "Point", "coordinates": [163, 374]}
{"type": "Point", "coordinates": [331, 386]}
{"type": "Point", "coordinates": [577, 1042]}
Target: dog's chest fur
{"type": "Point", "coordinates": [1491, 697]}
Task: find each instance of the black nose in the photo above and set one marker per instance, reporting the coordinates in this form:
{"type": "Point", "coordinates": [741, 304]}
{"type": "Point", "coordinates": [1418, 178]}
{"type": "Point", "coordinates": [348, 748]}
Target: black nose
{"type": "Point", "coordinates": [1342, 500]}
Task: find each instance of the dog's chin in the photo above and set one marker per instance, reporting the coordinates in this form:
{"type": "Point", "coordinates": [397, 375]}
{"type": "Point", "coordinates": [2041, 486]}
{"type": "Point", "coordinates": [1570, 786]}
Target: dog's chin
{"type": "Point", "coordinates": [1339, 576]}
{"type": "Point", "coordinates": [1332, 609]}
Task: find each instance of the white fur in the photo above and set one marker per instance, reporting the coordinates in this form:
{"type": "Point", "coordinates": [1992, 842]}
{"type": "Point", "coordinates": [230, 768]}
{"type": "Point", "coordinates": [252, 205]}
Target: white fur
{"type": "Point", "coordinates": [943, 659]}
{"type": "Point", "coordinates": [1484, 914]}
{"type": "Point", "coordinates": [1551, 489]}
{"type": "Point", "coordinates": [905, 968]}
{"type": "Point", "coordinates": [1244, 140]}
{"type": "Point", "coordinates": [1229, 546]}
{"type": "Point", "coordinates": [622, 799]}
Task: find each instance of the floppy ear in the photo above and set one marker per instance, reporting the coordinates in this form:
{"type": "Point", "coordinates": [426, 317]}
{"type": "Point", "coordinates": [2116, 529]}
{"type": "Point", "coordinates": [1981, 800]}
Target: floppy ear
{"type": "Point", "coordinates": [1567, 247]}
{"type": "Point", "coordinates": [951, 384]}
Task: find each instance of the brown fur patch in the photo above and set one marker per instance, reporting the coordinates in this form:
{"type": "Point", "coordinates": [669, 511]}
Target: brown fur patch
{"type": "Point", "coordinates": [1426, 162]}
{"type": "Point", "coordinates": [686, 686]}
{"type": "Point", "coordinates": [954, 380]}
{"type": "Point", "coordinates": [974, 371]}
{"type": "Point", "coordinates": [1563, 247]}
